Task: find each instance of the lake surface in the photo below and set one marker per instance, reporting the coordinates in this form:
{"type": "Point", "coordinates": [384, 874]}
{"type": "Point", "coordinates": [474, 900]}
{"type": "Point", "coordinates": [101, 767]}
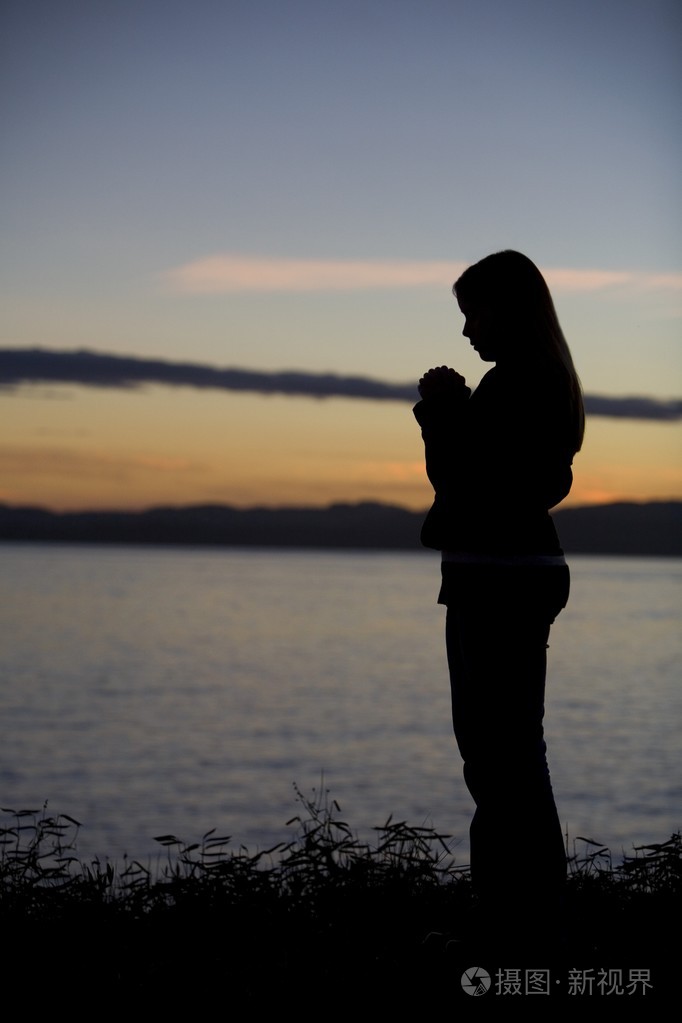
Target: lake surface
{"type": "Point", "coordinates": [156, 690]}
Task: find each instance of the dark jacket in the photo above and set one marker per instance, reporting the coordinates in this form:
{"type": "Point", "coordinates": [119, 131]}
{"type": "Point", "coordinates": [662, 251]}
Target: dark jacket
{"type": "Point", "coordinates": [498, 460]}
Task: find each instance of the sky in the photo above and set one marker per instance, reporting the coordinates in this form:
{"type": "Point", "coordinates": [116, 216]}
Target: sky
{"type": "Point", "coordinates": [273, 187]}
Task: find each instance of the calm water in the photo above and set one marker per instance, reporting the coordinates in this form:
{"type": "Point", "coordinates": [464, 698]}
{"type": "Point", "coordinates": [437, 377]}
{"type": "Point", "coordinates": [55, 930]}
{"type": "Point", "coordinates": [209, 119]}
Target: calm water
{"type": "Point", "coordinates": [147, 691]}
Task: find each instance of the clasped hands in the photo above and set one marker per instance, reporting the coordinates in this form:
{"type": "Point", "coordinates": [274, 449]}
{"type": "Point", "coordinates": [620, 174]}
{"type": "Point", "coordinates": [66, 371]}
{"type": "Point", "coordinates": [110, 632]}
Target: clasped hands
{"type": "Point", "coordinates": [443, 382]}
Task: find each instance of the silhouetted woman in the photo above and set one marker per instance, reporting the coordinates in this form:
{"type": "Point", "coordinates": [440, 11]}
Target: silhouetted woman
{"type": "Point", "coordinates": [498, 460]}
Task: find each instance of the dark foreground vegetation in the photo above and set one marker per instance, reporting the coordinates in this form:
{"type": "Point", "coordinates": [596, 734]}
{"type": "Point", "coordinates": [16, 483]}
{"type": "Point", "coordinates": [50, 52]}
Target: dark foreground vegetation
{"type": "Point", "coordinates": [322, 921]}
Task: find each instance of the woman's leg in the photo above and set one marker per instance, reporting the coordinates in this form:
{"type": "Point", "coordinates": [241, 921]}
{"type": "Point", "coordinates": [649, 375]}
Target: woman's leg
{"type": "Point", "coordinates": [497, 636]}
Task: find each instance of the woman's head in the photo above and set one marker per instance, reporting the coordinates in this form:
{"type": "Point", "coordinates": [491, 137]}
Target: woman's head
{"type": "Point", "coordinates": [508, 292]}
{"type": "Point", "coordinates": [510, 318]}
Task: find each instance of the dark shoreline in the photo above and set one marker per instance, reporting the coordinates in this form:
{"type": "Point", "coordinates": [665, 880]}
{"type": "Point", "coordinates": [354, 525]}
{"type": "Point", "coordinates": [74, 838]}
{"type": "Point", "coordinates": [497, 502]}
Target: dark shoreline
{"type": "Point", "coordinates": [625, 528]}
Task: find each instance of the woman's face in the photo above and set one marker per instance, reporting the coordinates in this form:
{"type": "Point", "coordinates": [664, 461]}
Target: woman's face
{"type": "Point", "coordinates": [480, 327]}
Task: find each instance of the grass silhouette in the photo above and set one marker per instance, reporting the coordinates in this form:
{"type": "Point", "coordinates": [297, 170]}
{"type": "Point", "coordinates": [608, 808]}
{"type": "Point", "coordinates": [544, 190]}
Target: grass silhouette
{"type": "Point", "coordinates": [322, 909]}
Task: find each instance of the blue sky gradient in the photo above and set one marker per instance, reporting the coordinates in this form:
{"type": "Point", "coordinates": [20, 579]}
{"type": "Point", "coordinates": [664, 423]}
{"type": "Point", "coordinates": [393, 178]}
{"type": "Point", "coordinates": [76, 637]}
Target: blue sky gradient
{"type": "Point", "coordinates": [145, 139]}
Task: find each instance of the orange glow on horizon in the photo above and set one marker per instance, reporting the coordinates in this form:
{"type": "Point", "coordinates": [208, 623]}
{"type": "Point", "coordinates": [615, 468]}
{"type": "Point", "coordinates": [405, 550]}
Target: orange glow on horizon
{"type": "Point", "coordinates": [134, 450]}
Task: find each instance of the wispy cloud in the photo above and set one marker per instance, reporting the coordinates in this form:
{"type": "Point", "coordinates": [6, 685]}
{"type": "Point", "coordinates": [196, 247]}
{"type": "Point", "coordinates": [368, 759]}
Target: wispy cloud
{"type": "Point", "coordinates": [232, 272]}
{"type": "Point", "coordinates": [225, 272]}
{"type": "Point", "coordinates": [565, 280]}
{"type": "Point", "coordinates": [20, 366]}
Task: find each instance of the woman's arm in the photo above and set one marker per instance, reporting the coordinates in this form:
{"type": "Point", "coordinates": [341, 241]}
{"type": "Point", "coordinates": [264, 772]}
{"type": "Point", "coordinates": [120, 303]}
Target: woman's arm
{"type": "Point", "coordinates": [444, 398]}
{"type": "Point", "coordinates": [507, 441]}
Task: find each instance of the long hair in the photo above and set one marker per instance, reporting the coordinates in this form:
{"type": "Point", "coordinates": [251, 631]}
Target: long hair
{"type": "Point", "coordinates": [510, 286]}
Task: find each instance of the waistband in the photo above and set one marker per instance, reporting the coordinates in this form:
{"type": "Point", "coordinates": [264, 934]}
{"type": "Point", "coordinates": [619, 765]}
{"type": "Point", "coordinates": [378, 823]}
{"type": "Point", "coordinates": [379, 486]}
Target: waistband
{"type": "Point", "coordinates": [466, 558]}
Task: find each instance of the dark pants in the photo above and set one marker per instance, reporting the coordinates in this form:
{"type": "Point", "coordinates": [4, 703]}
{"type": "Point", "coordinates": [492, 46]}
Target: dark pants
{"type": "Point", "coordinates": [497, 628]}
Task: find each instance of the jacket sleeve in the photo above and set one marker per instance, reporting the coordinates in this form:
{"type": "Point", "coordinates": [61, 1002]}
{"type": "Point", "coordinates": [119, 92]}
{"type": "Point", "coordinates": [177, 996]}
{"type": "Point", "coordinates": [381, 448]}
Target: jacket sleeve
{"type": "Point", "coordinates": [497, 462]}
{"type": "Point", "coordinates": [441, 423]}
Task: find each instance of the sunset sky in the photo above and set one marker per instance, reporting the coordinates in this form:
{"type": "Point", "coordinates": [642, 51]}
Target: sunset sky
{"type": "Point", "coordinates": [293, 185]}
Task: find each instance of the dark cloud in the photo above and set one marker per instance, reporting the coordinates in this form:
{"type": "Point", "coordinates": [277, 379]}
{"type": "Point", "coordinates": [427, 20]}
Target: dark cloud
{"type": "Point", "coordinates": [93, 369]}
{"type": "Point", "coordinates": [38, 365]}
{"type": "Point", "coordinates": [633, 407]}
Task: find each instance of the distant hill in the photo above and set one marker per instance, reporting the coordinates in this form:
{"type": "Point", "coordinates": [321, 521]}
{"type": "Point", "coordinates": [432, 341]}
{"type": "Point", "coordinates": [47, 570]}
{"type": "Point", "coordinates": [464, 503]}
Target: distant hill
{"type": "Point", "coordinates": [626, 528]}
